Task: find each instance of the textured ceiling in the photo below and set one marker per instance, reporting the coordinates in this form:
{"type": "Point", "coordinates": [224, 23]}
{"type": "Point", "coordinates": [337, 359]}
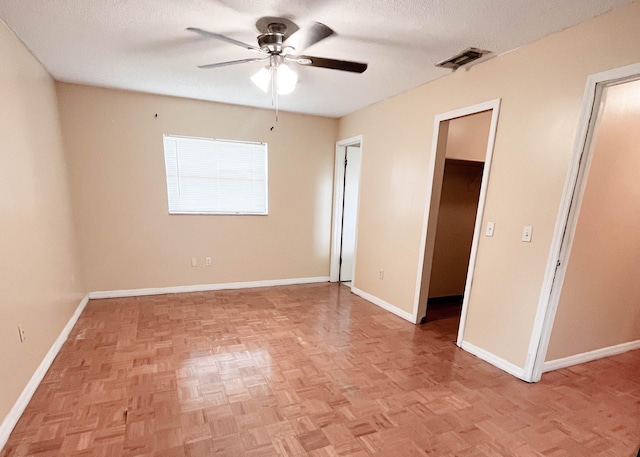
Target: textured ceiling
{"type": "Point", "coordinates": [142, 45]}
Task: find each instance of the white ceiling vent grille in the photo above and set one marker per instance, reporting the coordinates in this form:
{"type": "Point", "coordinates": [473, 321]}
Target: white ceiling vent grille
{"type": "Point", "coordinates": [465, 57]}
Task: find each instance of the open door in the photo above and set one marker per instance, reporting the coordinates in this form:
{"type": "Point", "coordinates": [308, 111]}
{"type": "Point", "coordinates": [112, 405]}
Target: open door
{"type": "Point", "coordinates": [349, 212]}
{"type": "Point", "coordinates": [345, 209]}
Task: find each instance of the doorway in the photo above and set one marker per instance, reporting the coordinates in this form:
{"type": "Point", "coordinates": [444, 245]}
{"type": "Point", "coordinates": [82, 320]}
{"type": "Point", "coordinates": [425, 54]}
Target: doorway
{"type": "Point", "coordinates": [345, 214]}
{"type": "Point", "coordinates": [461, 136]}
{"type": "Point", "coordinates": [595, 241]}
{"type": "Point", "coordinates": [457, 212]}
{"type": "Point", "coordinates": [349, 212]}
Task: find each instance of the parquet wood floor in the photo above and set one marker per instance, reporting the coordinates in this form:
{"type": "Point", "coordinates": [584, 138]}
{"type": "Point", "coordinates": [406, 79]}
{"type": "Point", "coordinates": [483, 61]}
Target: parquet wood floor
{"type": "Point", "coordinates": [307, 370]}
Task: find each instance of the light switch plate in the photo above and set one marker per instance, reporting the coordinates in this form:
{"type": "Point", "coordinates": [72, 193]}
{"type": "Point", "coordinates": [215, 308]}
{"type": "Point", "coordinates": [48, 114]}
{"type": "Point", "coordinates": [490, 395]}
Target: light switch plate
{"type": "Point", "coordinates": [490, 227]}
{"type": "Point", "coordinates": [526, 233]}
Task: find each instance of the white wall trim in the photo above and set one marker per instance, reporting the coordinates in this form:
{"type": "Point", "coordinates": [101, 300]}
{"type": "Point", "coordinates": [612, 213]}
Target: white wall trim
{"type": "Point", "coordinates": [338, 194]}
{"type": "Point", "coordinates": [204, 287]}
{"type": "Point", "coordinates": [383, 304]}
{"type": "Point", "coordinates": [21, 403]}
{"type": "Point", "coordinates": [477, 231]}
{"type": "Point", "coordinates": [494, 360]}
{"type": "Point", "coordinates": [590, 356]}
{"type": "Point", "coordinates": [566, 220]}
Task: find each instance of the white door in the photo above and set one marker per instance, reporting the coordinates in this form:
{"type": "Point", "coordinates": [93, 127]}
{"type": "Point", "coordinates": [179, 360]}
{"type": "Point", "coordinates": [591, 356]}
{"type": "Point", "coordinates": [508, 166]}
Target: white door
{"type": "Point", "coordinates": [349, 212]}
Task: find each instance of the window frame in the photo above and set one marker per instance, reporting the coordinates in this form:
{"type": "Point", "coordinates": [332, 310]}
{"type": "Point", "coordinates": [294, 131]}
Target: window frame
{"type": "Point", "coordinates": [180, 211]}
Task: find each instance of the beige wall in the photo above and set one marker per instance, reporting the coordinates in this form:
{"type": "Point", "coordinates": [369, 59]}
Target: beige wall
{"type": "Point", "coordinates": [127, 238]}
{"type": "Point", "coordinates": [40, 285]}
{"type": "Point", "coordinates": [454, 233]}
{"type": "Point", "coordinates": [541, 87]}
{"type": "Point", "coordinates": [599, 305]}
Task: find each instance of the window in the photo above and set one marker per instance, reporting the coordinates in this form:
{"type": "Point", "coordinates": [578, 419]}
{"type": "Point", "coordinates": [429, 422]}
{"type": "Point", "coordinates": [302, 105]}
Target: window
{"type": "Point", "coordinates": [208, 176]}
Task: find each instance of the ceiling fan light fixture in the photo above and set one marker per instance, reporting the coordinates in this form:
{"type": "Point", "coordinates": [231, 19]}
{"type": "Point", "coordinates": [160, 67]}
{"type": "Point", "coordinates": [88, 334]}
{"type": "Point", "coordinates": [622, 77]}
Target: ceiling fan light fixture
{"type": "Point", "coordinates": [278, 42]}
{"type": "Point", "coordinates": [262, 79]}
{"type": "Point", "coordinates": [286, 79]}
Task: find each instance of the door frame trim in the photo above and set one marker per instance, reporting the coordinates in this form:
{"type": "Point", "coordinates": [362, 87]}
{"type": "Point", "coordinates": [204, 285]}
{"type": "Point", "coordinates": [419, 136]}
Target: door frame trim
{"type": "Point", "coordinates": [494, 105]}
{"type": "Point", "coordinates": [567, 219]}
{"type": "Point", "coordinates": [338, 194]}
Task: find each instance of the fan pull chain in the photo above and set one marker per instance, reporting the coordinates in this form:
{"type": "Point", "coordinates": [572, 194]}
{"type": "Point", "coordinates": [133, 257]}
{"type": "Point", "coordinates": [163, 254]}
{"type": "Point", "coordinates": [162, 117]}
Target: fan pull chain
{"type": "Point", "coordinates": [274, 89]}
{"type": "Point", "coordinates": [274, 93]}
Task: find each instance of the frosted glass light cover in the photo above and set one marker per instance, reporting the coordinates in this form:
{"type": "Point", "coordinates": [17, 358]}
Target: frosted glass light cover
{"type": "Point", "coordinates": [262, 78]}
{"type": "Point", "coordinates": [287, 80]}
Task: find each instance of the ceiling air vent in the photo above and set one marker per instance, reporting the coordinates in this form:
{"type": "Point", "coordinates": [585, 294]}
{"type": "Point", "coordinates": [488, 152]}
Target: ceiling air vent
{"type": "Point", "coordinates": [465, 57]}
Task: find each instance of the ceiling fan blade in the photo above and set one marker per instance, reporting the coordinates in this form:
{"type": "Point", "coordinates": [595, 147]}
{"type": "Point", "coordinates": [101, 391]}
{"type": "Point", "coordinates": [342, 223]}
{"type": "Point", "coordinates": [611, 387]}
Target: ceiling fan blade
{"type": "Point", "coordinates": [232, 62]}
{"type": "Point", "coordinates": [226, 39]}
{"type": "Point", "coordinates": [344, 65]}
{"type": "Point", "coordinates": [308, 35]}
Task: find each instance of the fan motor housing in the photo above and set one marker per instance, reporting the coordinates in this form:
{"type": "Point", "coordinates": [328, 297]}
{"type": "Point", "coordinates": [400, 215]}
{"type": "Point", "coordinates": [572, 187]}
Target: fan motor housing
{"type": "Point", "coordinates": [273, 39]}
{"type": "Point", "coordinates": [270, 42]}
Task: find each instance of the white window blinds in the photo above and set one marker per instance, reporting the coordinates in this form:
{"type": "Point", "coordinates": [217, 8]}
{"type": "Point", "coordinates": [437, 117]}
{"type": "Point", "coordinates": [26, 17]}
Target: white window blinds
{"type": "Point", "coordinates": [208, 176]}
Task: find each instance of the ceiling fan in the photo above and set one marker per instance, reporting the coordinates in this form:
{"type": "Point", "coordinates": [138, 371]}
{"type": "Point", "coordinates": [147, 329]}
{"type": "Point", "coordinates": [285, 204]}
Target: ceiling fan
{"type": "Point", "coordinates": [281, 41]}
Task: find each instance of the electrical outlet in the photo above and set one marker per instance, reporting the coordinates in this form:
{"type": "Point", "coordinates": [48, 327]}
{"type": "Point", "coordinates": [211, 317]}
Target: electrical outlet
{"type": "Point", "coordinates": [21, 333]}
{"type": "Point", "coordinates": [381, 274]}
{"type": "Point", "coordinates": [207, 261]}
{"type": "Point", "coordinates": [194, 261]}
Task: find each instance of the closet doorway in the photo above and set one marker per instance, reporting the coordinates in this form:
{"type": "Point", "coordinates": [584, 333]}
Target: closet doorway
{"type": "Point", "coordinates": [457, 212]}
{"type": "Point", "coordinates": [457, 186]}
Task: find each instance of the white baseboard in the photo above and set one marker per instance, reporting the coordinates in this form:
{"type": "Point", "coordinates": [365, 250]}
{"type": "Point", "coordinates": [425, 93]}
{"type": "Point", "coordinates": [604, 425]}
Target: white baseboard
{"type": "Point", "coordinates": [590, 356]}
{"type": "Point", "coordinates": [12, 418]}
{"type": "Point", "coordinates": [494, 360]}
{"type": "Point", "coordinates": [205, 287]}
{"type": "Point", "coordinates": [383, 304]}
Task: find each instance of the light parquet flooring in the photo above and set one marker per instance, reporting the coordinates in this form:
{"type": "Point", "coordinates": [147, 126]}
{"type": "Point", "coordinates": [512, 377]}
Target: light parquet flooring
{"type": "Point", "coordinates": [309, 370]}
